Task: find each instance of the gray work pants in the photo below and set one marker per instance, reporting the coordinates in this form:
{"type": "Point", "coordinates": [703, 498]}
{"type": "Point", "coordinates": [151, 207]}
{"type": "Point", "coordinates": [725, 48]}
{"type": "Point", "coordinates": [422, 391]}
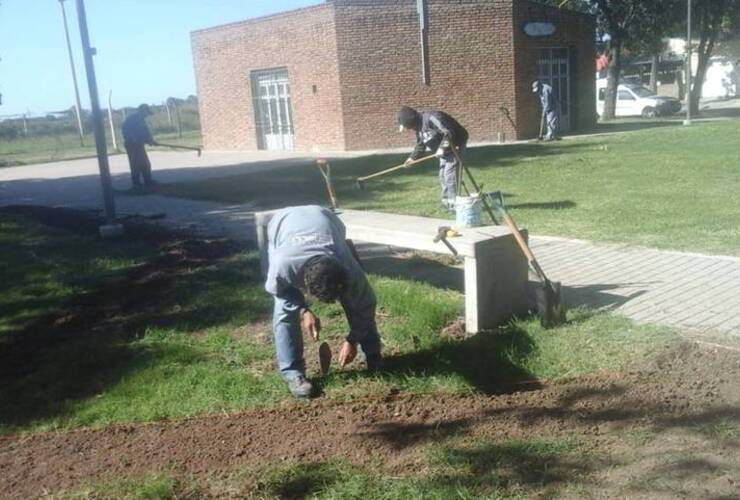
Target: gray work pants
{"type": "Point", "coordinates": [553, 125]}
{"type": "Point", "coordinates": [448, 167]}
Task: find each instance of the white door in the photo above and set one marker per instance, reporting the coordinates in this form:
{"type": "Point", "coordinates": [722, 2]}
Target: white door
{"type": "Point", "coordinates": [553, 67]}
{"type": "Point", "coordinates": [272, 110]}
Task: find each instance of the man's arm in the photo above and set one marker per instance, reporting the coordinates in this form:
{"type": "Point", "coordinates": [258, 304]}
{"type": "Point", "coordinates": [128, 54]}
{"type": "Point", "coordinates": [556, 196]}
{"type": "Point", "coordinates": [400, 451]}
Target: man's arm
{"type": "Point", "coordinates": [359, 304]}
{"type": "Point", "coordinates": [419, 149]}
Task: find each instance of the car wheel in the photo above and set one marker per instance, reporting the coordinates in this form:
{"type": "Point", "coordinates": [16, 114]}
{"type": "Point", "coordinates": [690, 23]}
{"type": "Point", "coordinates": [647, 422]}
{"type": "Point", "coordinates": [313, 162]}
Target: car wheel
{"type": "Point", "coordinates": [649, 112]}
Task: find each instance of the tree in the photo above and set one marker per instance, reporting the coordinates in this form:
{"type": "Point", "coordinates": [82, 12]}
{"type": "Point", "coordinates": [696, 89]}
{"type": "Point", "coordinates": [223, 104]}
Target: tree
{"type": "Point", "coordinates": [626, 24]}
{"type": "Point", "coordinates": [712, 19]}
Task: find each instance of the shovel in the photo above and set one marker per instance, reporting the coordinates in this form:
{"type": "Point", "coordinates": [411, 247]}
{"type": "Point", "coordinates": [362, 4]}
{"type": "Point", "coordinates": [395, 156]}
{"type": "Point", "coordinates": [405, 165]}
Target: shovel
{"type": "Point", "coordinates": [325, 170]}
{"type": "Point", "coordinates": [549, 295]}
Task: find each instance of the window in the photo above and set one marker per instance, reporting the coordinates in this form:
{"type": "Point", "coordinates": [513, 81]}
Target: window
{"type": "Point", "coordinates": [602, 94]}
{"type": "Point", "coordinates": [624, 95]}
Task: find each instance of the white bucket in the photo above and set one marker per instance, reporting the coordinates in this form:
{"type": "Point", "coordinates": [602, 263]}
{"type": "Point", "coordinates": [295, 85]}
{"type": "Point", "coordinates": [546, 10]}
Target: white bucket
{"type": "Point", "coordinates": [468, 211]}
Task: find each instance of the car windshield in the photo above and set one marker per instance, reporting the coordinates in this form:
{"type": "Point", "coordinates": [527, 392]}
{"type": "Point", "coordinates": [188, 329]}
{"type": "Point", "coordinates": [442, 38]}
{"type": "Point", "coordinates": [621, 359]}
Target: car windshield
{"type": "Point", "coordinates": [641, 91]}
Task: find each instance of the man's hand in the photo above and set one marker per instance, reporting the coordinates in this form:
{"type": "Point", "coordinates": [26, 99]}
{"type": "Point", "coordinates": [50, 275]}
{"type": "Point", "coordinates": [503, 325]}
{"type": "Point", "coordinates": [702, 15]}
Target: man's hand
{"type": "Point", "coordinates": [347, 353]}
{"type": "Point", "coordinates": [408, 161]}
{"type": "Point", "coordinates": [310, 324]}
{"type": "Point", "coordinates": [440, 152]}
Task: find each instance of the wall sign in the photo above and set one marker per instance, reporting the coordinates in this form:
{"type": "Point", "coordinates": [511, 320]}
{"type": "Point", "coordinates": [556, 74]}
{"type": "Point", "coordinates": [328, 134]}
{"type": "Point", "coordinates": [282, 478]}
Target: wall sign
{"type": "Point", "coordinates": [539, 29]}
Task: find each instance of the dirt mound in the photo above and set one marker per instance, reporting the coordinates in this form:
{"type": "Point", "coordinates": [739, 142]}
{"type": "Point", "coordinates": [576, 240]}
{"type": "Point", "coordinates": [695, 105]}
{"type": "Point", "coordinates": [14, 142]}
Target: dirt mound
{"type": "Point", "coordinates": [682, 389]}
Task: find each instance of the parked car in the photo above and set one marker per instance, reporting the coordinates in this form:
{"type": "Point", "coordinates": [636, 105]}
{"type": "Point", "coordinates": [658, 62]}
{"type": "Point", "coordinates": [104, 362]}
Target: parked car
{"type": "Point", "coordinates": [636, 100]}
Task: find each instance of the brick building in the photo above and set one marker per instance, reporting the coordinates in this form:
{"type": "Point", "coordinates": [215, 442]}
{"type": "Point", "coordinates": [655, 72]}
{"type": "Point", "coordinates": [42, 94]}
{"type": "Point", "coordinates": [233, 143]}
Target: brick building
{"type": "Point", "coordinates": [333, 75]}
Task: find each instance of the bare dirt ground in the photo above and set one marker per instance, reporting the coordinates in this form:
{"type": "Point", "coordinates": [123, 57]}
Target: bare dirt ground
{"type": "Point", "coordinates": [669, 430]}
{"type": "Point", "coordinates": [681, 405]}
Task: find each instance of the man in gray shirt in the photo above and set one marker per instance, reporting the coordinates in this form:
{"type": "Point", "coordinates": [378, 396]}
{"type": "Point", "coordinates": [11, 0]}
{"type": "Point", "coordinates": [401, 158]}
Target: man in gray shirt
{"type": "Point", "coordinates": [308, 253]}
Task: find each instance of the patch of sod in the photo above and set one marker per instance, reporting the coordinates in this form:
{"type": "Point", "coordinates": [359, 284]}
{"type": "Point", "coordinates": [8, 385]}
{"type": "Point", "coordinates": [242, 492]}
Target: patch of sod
{"type": "Point", "coordinates": [512, 470]}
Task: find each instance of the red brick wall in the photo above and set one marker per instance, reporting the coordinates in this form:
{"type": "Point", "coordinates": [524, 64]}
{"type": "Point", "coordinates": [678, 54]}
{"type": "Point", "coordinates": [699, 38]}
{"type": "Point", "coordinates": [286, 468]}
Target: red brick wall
{"type": "Point", "coordinates": [364, 58]}
{"type": "Point", "coordinates": [304, 42]}
{"type": "Point", "coordinates": [574, 31]}
{"type": "Point", "coordinates": [471, 63]}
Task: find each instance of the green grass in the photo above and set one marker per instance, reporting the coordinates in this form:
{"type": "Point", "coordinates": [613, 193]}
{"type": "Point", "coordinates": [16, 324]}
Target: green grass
{"type": "Point", "coordinates": [669, 187]}
{"type": "Point", "coordinates": [152, 487]}
{"type": "Point", "coordinates": [497, 470]}
{"type": "Point", "coordinates": [201, 343]}
{"type": "Point", "coordinates": [66, 146]}
{"type": "Point", "coordinates": [512, 470]}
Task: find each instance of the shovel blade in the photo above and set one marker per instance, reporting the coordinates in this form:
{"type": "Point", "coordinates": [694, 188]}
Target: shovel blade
{"type": "Point", "coordinates": [550, 304]}
{"type": "Point", "coordinates": [324, 358]}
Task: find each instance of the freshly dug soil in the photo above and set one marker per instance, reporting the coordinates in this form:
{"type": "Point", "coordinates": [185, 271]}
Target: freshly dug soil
{"type": "Point", "coordinates": [687, 386]}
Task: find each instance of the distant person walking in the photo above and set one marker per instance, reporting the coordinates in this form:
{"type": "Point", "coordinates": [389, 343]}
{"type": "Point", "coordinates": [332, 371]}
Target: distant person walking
{"type": "Point", "coordinates": [549, 109]}
{"type": "Point", "coordinates": [136, 136]}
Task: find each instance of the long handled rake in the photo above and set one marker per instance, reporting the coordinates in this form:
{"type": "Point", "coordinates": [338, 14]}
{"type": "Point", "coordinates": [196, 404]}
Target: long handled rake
{"type": "Point", "coordinates": [177, 146]}
{"type": "Point", "coordinates": [361, 180]}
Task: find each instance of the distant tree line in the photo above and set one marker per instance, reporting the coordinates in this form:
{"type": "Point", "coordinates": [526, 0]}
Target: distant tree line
{"type": "Point", "coordinates": [173, 116]}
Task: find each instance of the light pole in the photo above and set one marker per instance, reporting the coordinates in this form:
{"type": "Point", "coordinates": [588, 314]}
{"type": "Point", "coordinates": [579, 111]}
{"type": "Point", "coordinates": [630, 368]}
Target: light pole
{"type": "Point", "coordinates": [687, 121]}
{"type": "Point", "coordinates": [78, 107]}
{"type": "Point", "coordinates": [100, 145]}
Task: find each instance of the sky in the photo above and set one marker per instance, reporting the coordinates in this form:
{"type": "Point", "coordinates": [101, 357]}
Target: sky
{"type": "Point", "coordinates": [143, 48]}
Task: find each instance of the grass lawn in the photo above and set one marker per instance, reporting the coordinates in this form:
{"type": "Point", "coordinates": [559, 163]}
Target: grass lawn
{"type": "Point", "coordinates": [151, 328]}
{"type": "Point", "coordinates": [30, 150]}
{"type": "Point", "coordinates": [669, 187]}
{"type": "Point", "coordinates": [512, 470]}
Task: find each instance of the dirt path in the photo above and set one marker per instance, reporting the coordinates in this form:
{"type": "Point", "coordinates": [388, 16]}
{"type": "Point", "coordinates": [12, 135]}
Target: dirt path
{"type": "Point", "coordinates": [685, 393]}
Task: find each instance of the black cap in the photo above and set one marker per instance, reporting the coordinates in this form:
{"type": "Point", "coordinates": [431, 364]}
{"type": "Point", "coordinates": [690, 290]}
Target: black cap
{"type": "Point", "coordinates": [409, 118]}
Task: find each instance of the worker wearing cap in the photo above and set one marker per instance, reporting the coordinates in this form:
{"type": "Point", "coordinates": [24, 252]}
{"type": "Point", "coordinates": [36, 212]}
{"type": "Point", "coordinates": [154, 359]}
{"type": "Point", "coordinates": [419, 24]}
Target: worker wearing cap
{"type": "Point", "coordinates": [549, 109]}
{"type": "Point", "coordinates": [309, 254]}
{"type": "Point", "coordinates": [135, 136]}
{"type": "Point", "coordinates": [437, 131]}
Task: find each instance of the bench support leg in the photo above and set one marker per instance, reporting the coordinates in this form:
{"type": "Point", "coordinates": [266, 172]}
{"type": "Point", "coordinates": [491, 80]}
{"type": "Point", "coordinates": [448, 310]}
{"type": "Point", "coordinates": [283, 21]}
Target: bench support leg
{"type": "Point", "coordinates": [495, 284]}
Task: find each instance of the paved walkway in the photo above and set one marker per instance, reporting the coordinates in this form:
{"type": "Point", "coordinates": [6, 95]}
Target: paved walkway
{"type": "Point", "coordinates": [691, 291]}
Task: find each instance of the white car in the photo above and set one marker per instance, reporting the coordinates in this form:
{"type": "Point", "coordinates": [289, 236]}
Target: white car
{"type": "Point", "coordinates": [636, 100]}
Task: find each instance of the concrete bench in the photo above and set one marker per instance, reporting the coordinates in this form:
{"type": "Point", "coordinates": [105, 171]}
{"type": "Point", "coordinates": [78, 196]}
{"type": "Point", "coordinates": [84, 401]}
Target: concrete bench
{"type": "Point", "coordinates": [495, 268]}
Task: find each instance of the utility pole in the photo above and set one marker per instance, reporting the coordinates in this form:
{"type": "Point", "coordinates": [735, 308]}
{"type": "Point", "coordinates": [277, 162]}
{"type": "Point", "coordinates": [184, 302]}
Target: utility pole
{"type": "Point", "coordinates": [110, 121]}
{"type": "Point", "coordinates": [111, 229]}
{"type": "Point", "coordinates": [687, 121]}
{"type": "Point", "coordinates": [78, 107]}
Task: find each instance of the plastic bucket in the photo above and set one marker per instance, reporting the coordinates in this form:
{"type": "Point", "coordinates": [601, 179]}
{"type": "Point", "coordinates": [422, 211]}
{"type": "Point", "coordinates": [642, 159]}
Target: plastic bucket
{"type": "Point", "coordinates": [468, 211]}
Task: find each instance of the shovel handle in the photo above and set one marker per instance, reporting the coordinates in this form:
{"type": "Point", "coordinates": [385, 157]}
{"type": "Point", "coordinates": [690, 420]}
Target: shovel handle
{"type": "Point", "coordinates": [393, 169]}
{"type": "Point", "coordinates": [523, 245]}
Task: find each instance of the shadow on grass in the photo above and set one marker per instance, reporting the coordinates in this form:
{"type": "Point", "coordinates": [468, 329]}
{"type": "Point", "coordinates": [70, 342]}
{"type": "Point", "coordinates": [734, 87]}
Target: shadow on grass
{"type": "Point", "coordinates": [77, 347]}
{"type": "Point", "coordinates": [489, 470]}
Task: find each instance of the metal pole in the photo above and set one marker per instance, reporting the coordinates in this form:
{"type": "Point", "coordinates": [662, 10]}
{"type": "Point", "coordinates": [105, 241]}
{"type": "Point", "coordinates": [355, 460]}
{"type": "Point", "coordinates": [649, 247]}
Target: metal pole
{"type": "Point", "coordinates": [78, 107]}
{"type": "Point", "coordinates": [100, 144]}
{"type": "Point", "coordinates": [110, 120]}
{"type": "Point", "coordinates": [688, 67]}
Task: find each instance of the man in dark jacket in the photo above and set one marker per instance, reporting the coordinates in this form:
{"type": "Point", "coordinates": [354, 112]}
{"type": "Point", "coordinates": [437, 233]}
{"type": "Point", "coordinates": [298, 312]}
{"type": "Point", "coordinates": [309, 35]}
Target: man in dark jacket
{"type": "Point", "coordinates": [549, 109]}
{"type": "Point", "coordinates": [437, 131]}
{"type": "Point", "coordinates": [135, 136]}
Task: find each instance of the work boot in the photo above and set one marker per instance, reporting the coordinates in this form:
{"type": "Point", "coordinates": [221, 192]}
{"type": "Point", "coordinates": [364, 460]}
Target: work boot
{"type": "Point", "coordinates": [300, 387]}
{"type": "Point", "coordinates": [374, 363]}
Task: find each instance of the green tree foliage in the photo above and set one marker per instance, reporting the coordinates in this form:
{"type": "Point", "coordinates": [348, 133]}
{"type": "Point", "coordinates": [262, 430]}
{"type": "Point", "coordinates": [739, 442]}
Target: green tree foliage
{"type": "Point", "coordinates": [626, 24]}
{"type": "Point", "coordinates": [712, 20]}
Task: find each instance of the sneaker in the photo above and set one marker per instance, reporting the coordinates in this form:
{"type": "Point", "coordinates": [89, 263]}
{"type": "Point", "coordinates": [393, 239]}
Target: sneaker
{"type": "Point", "coordinates": [300, 388]}
{"type": "Point", "coordinates": [374, 363]}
